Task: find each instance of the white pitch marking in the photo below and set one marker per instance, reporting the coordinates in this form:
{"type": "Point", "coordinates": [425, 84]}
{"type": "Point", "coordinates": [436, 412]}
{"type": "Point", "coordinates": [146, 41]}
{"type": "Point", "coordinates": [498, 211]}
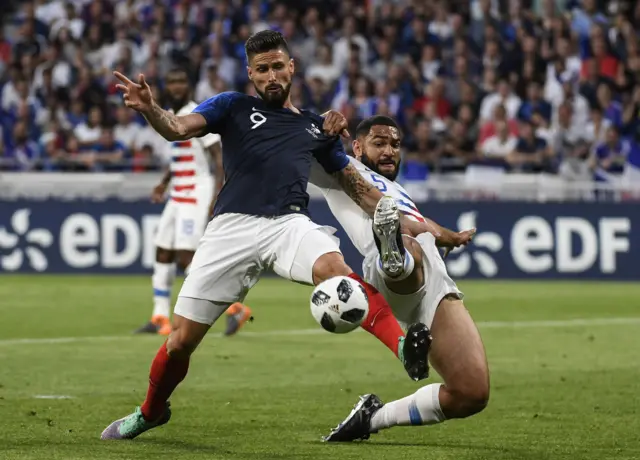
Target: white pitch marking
{"type": "Point", "coordinates": [52, 397]}
{"type": "Point", "coordinates": [578, 322]}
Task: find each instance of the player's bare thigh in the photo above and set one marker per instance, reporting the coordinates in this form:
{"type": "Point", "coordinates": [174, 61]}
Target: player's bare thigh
{"type": "Point", "coordinates": [458, 355]}
{"type": "Point", "coordinates": [415, 280]}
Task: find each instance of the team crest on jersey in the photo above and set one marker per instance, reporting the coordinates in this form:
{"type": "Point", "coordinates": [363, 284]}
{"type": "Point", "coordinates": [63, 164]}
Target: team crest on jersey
{"type": "Point", "coordinates": [314, 131]}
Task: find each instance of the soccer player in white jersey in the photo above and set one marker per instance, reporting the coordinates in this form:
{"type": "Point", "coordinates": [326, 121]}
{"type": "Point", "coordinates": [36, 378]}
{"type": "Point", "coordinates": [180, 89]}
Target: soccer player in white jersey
{"type": "Point", "coordinates": [412, 276]}
{"type": "Point", "coordinates": [191, 193]}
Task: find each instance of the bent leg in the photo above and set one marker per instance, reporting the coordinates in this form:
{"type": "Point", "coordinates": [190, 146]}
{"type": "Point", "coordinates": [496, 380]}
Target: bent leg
{"type": "Point", "coordinates": [458, 355]}
{"type": "Point", "coordinates": [414, 280]}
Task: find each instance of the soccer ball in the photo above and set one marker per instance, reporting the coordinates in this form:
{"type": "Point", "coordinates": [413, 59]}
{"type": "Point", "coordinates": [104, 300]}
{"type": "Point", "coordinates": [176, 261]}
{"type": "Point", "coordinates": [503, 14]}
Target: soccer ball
{"type": "Point", "coordinates": [339, 304]}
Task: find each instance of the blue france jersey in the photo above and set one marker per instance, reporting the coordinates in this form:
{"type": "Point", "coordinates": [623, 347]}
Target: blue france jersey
{"type": "Point", "coordinates": [267, 154]}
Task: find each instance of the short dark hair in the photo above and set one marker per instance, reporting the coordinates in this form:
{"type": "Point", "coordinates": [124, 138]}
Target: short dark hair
{"type": "Point", "coordinates": [365, 125]}
{"type": "Point", "coordinates": [263, 41]}
{"type": "Point", "coordinates": [178, 70]}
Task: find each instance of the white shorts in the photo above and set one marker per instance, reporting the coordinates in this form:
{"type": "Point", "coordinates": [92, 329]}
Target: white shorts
{"type": "Point", "coordinates": [237, 248]}
{"type": "Point", "coordinates": [182, 224]}
{"type": "Point", "coordinates": [420, 306]}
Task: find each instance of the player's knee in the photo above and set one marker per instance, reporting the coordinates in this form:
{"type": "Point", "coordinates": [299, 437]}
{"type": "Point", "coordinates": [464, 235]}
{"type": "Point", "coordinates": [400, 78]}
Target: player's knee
{"type": "Point", "coordinates": [180, 343]}
{"type": "Point", "coordinates": [471, 398]}
{"type": "Point", "coordinates": [180, 346]}
{"type": "Point", "coordinates": [330, 265]}
{"type": "Point", "coordinates": [184, 259]}
{"type": "Point", "coordinates": [413, 247]}
{"type": "Point", "coordinates": [164, 256]}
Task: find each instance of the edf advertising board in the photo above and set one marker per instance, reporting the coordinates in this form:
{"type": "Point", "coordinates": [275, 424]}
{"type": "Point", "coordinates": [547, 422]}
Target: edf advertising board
{"type": "Point", "coordinates": [514, 240]}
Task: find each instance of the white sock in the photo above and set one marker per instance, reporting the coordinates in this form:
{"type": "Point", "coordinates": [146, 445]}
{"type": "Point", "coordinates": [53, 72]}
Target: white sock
{"type": "Point", "coordinates": [420, 408]}
{"type": "Point", "coordinates": [162, 281]}
{"type": "Point", "coordinates": [409, 263]}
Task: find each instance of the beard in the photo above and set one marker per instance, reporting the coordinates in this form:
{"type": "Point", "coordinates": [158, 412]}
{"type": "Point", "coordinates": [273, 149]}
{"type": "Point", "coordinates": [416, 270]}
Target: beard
{"type": "Point", "coordinates": [177, 102]}
{"type": "Point", "coordinates": [365, 160]}
{"type": "Point", "coordinates": [274, 98]}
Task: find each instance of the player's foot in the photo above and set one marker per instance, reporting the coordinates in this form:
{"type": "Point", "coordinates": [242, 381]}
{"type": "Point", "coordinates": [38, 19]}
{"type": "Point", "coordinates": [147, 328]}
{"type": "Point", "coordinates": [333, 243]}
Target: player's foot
{"type": "Point", "coordinates": [133, 425]}
{"type": "Point", "coordinates": [158, 325]}
{"type": "Point", "coordinates": [386, 233]}
{"type": "Point", "coordinates": [357, 425]}
{"type": "Point", "coordinates": [413, 351]}
{"type": "Point", "coordinates": [237, 315]}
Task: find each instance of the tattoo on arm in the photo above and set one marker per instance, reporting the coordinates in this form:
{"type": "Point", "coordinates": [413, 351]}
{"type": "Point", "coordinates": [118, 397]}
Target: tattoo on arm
{"type": "Point", "coordinates": [165, 123]}
{"type": "Point", "coordinates": [359, 190]}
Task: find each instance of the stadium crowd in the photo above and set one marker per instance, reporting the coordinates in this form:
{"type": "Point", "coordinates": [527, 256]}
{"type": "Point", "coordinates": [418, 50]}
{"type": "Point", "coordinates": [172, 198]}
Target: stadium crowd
{"type": "Point", "coordinates": [528, 85]}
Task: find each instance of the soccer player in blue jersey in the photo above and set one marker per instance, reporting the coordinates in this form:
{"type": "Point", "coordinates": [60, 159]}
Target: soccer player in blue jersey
{"type": "Point", "coordinates": [260, 217]}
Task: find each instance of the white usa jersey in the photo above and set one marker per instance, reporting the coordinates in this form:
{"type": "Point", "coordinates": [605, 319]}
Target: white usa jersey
{"type": "Point", "coordinates": [190, 165]}
{"type": "Point", "coordinates": [356, 223]}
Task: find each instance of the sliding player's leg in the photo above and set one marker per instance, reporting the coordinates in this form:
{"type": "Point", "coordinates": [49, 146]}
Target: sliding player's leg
{"type": "Point", "coordinates": [308, 253]}
{"type": "Point", "coordinates": [224, 268]}
{"type": "Point", "coordinates": [457, 353]}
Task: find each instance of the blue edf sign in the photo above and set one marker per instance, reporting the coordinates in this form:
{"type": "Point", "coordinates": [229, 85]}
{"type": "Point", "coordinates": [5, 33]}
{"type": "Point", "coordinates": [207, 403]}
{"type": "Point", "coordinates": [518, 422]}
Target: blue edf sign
{"type": "Point", "coordinates": [532, 240]}
{"type": "Point", "coordinates": [514, 240]}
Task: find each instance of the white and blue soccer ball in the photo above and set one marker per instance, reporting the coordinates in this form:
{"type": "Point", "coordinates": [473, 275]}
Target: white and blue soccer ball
{"type": "Point", "coordinates": [339, 304]}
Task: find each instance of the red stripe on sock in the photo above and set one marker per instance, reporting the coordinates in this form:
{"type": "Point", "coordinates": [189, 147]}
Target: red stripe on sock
{"type": "Point", "coordinates": [380, 321]}
{"type": "Point", "coordinates": [166, 373]}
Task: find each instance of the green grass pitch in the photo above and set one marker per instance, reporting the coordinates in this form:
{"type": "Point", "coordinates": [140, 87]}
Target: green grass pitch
{"type": "Point", "coordinates": [564, 359]}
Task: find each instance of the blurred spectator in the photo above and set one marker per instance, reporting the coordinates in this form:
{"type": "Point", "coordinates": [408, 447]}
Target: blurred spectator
{"type": "Point", "coordinates": [457, 150]}
{"type": "Point", "coordinates": [501, 144]}
{"type": "Point", "coordinates": [126, 129]}
{"type": "Point", "coordinates": [489, 128]}
{"type": "Point", "coordinates": [109, 153]}
{"type": "Point", "coordinates": [610, 155]}
{"type": "Point", "coordinates": [422, 154]}
{"type": "Point", "coordinates": [612, 110]}
{"type": "Point", "coordinates": [23, 152]}
{"type": "Point", "coordinates": [578, 102]}
{"type": "Point", "coordinates": [502, 96]}
{"type": "Point", "coordinates": [89, 132]}
{"type": "Point", "coordinates": [323, 66]}
{"type": "Point", "coordinates": [531, 153]}
{"type": "Point", "coordinates": [350, 42]}
{"type": "Point", "coordinates": [534, 103]}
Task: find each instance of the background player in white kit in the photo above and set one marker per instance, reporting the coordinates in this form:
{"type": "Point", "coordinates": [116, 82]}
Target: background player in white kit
{"type": "Point", "coordinates": [412, 276]}
{"type": "Point", "coordinates": [191, 193]}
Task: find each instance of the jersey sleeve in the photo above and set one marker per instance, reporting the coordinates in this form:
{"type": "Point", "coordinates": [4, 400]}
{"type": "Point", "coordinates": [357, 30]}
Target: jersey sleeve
{"type": "Point", "coordinates": [216, 109]}
{"type": "Point", "coordinates": [333, 157]}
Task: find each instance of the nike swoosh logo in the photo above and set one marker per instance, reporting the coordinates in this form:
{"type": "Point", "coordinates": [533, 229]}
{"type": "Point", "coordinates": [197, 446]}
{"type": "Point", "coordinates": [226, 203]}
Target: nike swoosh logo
{"type": "Point", "coordinates": [374, 318]}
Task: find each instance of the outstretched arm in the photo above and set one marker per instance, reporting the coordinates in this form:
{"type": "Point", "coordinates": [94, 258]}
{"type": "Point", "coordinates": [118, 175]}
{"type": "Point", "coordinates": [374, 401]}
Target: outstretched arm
{"type": "Point", "coordinates": [170, 126]}
{"type": "Point", "coordinates": [449, 239]}
{"type": "Point", "coordinates": [173, 127]}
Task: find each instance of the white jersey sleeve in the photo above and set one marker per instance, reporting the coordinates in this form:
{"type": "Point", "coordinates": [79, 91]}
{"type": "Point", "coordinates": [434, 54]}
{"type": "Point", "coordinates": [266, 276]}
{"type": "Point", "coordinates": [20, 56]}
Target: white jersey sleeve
{"type": "Point", "coordinates": [355, 222]}
{"type": "Point", "coordinates": [210, 139]}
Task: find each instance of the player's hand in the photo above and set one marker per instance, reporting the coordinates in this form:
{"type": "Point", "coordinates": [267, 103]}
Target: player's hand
{"type": "Point", "coordinates": [137, 96]}
{"type": "Point", "coordinates": [157, 196]}
{"type": "Point", "coordinates": [462, 238]}
{"type": "Point", "coordinates": [413, 228]}
{"type": "Point", "coordinates": [335, 123]}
